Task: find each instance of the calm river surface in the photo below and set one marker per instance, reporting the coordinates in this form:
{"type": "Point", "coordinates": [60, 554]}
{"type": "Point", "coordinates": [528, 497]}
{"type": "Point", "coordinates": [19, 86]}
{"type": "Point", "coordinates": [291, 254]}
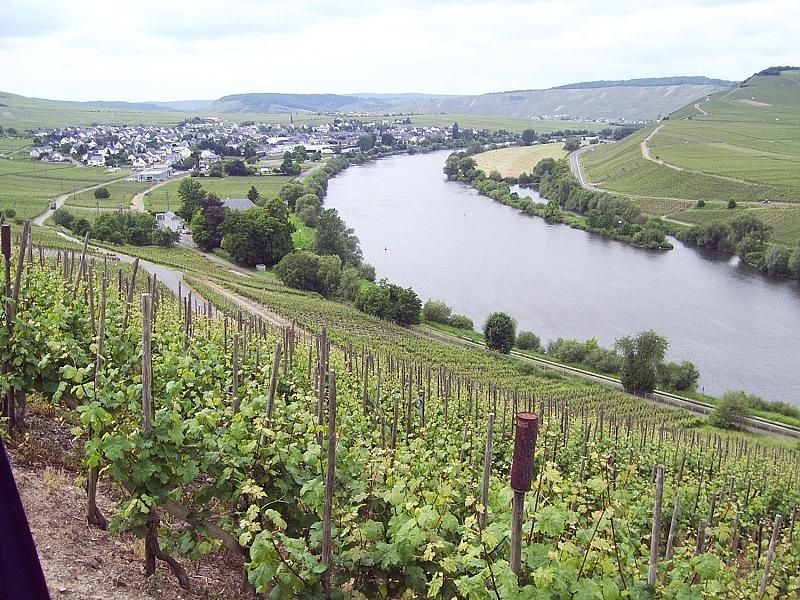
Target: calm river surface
{"type": "Point", "coordinates": [449, 243]}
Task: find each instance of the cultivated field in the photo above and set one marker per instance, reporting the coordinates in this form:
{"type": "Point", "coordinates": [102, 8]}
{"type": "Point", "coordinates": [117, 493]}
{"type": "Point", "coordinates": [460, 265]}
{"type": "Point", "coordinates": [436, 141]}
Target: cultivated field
{"type": "Point", "coordinates": [511, 162]}
{"type": "Point", "coordinates": [784, 220]}
{"type": "Point", "coordinates": [741, 145]}
{"type": "Point", "coordinates": [122, 193]}
{"type": "Point", "coordinates": [166, 197]}
{"type": "Point", "coordinates": [27, 186]}
{"type": "Point", "coordinates": [507, 123]}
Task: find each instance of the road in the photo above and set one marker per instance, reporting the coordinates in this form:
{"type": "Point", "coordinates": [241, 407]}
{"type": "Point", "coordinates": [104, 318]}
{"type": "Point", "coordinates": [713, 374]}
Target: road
{"type": "Point", "coordinates": [137, 203]}
{"type": "Point", "coordinates": [310, 171]}
{"type": "Point", "coordinates": [661, 398]}
{"type": "Point", "coordinates": [60, 200]}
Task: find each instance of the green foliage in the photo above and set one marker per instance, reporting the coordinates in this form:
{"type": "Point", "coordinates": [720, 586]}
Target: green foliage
{"type": "Point", "coordinates": [641, 356]}
{"type": "Point", "coordinates": [256, 237]}
{"type": "Point", "coordinates": [776, 260]}
{"type": "Point", "coordinates": [192, 194]}
{"type": "Point", "coordinates": [461, 322]}
{"type": "Point", "coordinates": [307, 271]}
{"type": "Point", "coordinates": [236, 168]}
{"type": "Point", "coordinates": [680, 377]}
{"type": "Point", "coordinates": [527, 340]}
{"type": "Point", "coordinates": [436, 311]}
{"type": "Point", "coordinates": [572, 144]}
{"type": "Point", "coordinates": [63, 217]}
{"type": "Point", "coordinates": [349, 284]}
{"type": "Point", "coordinates": [207, 224]}
{"type": "Point", "coordinates": [731, 411]}
{"type": "Point", "coordinates": [499, 332]}
{"type": "Point", "coordinates": [102, 193]}
{"type": "Point", "coordinates": [291, 191]}
{"type": "Point", "coordinates": [731, 203]}
{"type": "Point", "coordinates": [334, 237]}
{"type": "Point", "coordinates": [390, 302]}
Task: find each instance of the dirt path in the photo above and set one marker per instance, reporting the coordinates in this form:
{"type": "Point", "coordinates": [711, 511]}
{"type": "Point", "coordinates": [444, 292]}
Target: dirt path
{"type": "Point", "coordinates": [86, 563]}
{"type": "Point", "coordinates": [60, 200]}
{"type": "Point", "coordinates": [137, 202]}
{"type": "Point", "coordinates": [702, 111]}
{"type": "Point", "coordinates": [251, 306]}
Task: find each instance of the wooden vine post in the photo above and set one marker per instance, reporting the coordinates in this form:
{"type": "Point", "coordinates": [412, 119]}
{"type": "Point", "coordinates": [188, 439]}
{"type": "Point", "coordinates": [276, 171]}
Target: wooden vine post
{"type": "Point", "coordinates": [652, 570]}
{"type": "Point", "coordinates": [487, 470]}
{"type": "Point", "coordinates": [773, 542]}
{"type": "Point", "coordinates": [330, 475]}
{"type": "Point", "coordinates": [147, 366]}
{"type": "Point", "coordinates": [6, 248]}
{"type": "Point", "coordinates": [527, 427]}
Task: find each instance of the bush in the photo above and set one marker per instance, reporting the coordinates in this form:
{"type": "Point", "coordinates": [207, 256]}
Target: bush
{"type": "Point", "coordinates": [437, 312]}
{"type": "Point", "coordinates": [678, 376]}
{"type": "Point", "coordinates": [462, 322]}
{"type": "Point", "coordinates": [349, 284]}
{"type": "Point", "coordinates": [102, 193]}
{"type": "Point", "coordinates": [571, 351]}
{"type": "Point", "coordinates": [604, 360]}
{"type": "Point", "coordinates": [499, 332]}
{"type": "Point", "coordinates": [777, 260]}
{"type": "Point", "coordinates": [81, 226]}
{"type": "Point", "coordinates": [701, 204]}
{"type": "Point", "coordinates": [366, 271]}
{"type": "Point", "coordinates": [527, 340]}
{"type": "Point", "coordinates": [9, 213]}
{"type": "Point", "coordinates": [63, 217]}
{"type": "Point", "coordinates": [731, 203]}
{"type": "Point", "coordinates": [389, 301]}
{"type": "Point", "coordinates": [731, 412]}
{"type": "Point", "coordinates": [307, 271]}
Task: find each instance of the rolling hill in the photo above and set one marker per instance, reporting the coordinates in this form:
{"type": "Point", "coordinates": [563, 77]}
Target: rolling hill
{"type": "Point", "coordinates": [743, 144]}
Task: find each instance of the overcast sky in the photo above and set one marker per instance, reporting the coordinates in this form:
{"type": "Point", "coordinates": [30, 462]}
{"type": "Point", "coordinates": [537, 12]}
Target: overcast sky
{"type": "Point", "coordinates": [199, 49]}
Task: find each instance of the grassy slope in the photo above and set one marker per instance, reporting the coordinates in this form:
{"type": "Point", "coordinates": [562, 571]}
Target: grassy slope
{"type": "Point", "coordinates": [121, 194]}
{"type": "Point", "coordinates": [226, 187]}
{"type": "Point", "coordinates": [757, 143]}
{"type": "Point", "coordinates": [508, 123]}
{"type": "Point", "coordinates": [511, 162]}
{"type": "Point", "coordinates": [27, 185]}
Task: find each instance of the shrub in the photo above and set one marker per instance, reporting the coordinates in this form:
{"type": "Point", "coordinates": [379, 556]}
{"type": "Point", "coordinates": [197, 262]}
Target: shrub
{"type": "Point", "coordinates": [462, 322]}
{"type": "Point", "coordinates": [678, 376]}
{"type": "Point", "coordinates": [571, 351]}
{"type": "Point", "coordinates": [701, 204]}
{"type": "Point", "coordinates": [436, 311]}
{"type": "Point", "coordinates": [9, 213]}
{"type": "Point", "coordinates": [527, 340]}
{"type": "Point", "coordinates": [731, 203]}
{"type": "Point", "coordinates": [499, 332]}
{"type": "Point", "coordinates": [102, 193]}
{"type": "Point", "coordinates": [604, 360]}
{"type": "Point", "coordinates": [731, 412]}
{"type": "Point", "coordinates": [63, 217]}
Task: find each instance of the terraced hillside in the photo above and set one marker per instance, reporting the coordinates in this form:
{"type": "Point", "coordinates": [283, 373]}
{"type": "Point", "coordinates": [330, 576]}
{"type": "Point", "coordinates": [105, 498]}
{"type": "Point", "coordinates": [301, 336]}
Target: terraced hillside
{"type": "Point", "coordinates": [743, 144]}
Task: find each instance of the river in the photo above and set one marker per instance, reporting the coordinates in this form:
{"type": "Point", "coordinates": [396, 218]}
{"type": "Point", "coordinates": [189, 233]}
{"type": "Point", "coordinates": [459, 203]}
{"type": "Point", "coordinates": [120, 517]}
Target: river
{"type": "Point", "coordinates": [449, 243]}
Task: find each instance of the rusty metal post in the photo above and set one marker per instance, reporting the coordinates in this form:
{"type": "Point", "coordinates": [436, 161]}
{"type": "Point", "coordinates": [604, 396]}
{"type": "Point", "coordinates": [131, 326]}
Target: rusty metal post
{"type": "Point", "coordinates": [527, 427]}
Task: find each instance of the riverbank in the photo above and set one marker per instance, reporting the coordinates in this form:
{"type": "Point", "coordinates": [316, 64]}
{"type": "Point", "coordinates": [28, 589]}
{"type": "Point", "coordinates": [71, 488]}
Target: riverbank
{"type": "Point", "coordinates": [603, 214]}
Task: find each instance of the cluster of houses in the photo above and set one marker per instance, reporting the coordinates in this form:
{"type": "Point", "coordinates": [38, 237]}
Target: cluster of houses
{"type": "Point", "coordinates": [153, 147]}
{"type": "Point", "coordinates": [169, 220]}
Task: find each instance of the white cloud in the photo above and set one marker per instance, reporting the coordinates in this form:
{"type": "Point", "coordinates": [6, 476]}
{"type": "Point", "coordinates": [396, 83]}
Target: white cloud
{"type": "Point", "coordinates": [90, 49]}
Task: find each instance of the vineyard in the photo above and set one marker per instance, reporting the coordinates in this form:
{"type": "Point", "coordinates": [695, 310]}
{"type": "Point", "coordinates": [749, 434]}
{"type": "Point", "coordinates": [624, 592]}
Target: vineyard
{"type": "Point", "coordinates": [343, 457]}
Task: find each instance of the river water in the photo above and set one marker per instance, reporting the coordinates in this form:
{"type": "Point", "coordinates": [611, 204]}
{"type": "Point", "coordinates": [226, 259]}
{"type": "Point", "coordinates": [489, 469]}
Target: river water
{"type": "Point", "coordinates": [449, 243]}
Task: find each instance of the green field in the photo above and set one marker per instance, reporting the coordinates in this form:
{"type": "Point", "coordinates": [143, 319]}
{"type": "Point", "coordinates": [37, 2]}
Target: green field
{"type": "Point", "coordinates": [511, 162]}
{"type": "Point", "coordinates": [29, 113]}
{"type": "Point", "coordinates": [166, 197]}
{"type": "Point", "coordinates": [121, 194]}
{"type": "Point", "coordinates": [14, 146]}
{"type": "Point", "coordinates": [507, 123]}
{"type": "Point", "coordinates": [746, 148]}
{"type": "Point", "coordinates": [784, 220]}
{"type": "Point", "coordinates": [27, 186]}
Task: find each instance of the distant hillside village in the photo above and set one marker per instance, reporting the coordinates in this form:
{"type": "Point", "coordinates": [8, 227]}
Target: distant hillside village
{"type": "Point", "coordinates": [199, 143]}
{"type": "Point", "coordinates": [154, 151]}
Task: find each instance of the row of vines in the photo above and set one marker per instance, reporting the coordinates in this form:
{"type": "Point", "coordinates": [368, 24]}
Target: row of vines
{"type": "Point", "coordinates": [356, 470]}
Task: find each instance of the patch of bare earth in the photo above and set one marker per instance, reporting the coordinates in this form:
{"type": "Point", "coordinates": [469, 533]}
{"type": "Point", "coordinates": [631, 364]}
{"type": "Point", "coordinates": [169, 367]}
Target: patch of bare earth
{"type": "Point", "coordinates": [80, 561]}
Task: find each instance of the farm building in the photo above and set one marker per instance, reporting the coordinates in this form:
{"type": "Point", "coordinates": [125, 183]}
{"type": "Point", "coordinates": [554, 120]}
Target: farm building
{"type": "Point", "coordinates": [154, 174]}
{"type": "Point", "coordinates": [169, 220]}
{"type": "Point", "coordinates": [237, 204]}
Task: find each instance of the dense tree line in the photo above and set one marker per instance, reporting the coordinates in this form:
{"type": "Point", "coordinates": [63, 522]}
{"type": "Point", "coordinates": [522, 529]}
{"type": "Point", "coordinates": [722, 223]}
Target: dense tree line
{"type": "Point", "coordinates": [603, 213]}
{"type": "Point", "coordinates": [137, 229]}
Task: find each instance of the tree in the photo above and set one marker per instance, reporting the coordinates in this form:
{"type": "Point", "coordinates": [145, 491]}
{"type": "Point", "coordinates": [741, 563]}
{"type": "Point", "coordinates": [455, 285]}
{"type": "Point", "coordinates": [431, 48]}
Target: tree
{"type": "Point", "coordinates": [387, 139]}
{"type": "Point", "coordinates": [366, 141]}
{"type": "Point", "coordinates": [102, 193]}
{"type": "Point", "coordinates": [528, 137]}
{"type": "Point", "coordinates": [731, 411]}
{"type": "Point", "coordinates": [641, 355]}
{"type": "Point", "coordinates": [748, 225]}
{"type": "Point", "coordinates": [437, 312]}
{"type": "Point", "coordinates": [256, 237]}
{"type": "Point", "coordinates": [678, 376]}
{"type": "Point", "coordinates": [572, 144]}
{"type": "Point", "coordinates": [499, 332]}
{"type": "Point", "coordinates": [215, 170]}
{"type": "Point", "coordinates": [794, 261]}
{"type": "Point", "coordinates": [236, 168]}
{"type": "Point", "coordinates": [527, 340]}
{"type": "Point", "coordinates": [462, 322]}
{"type": "Point", "coordinates": [165, 238]}
{"type": "Point", "coordinates": [299, 270]}
{"type": "Point", "coordinates": [349, 283]}
{"type": "Point", "coordinates": [334, 237]}
{"type": "Point", "coordinates": [192, 194]}
{"type": "Point", "coordinates": [329, 274]}
{"type": "Point", "coordinates": [207, 224]}
{"type": "Point", "coordinates": [291, 192]}
{"type": "Point", "coordinates": [777, 260]}
{"type": "Point", "coordinates": [731, 203]}
{"type": "Point", "coordinates": [62, 217]}
{"type": "Point", "coordinates": [253, 195]}
{"type": "Point", "coordinates": [389, 301]}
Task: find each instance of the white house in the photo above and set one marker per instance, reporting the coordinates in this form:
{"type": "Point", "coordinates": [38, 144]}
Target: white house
{"type": "Point", "coordinates": [169, 220]}
{"type": "Point", "coordinates": [96, 160]}
{"type": "Point", "coordinates": [160, 174]}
